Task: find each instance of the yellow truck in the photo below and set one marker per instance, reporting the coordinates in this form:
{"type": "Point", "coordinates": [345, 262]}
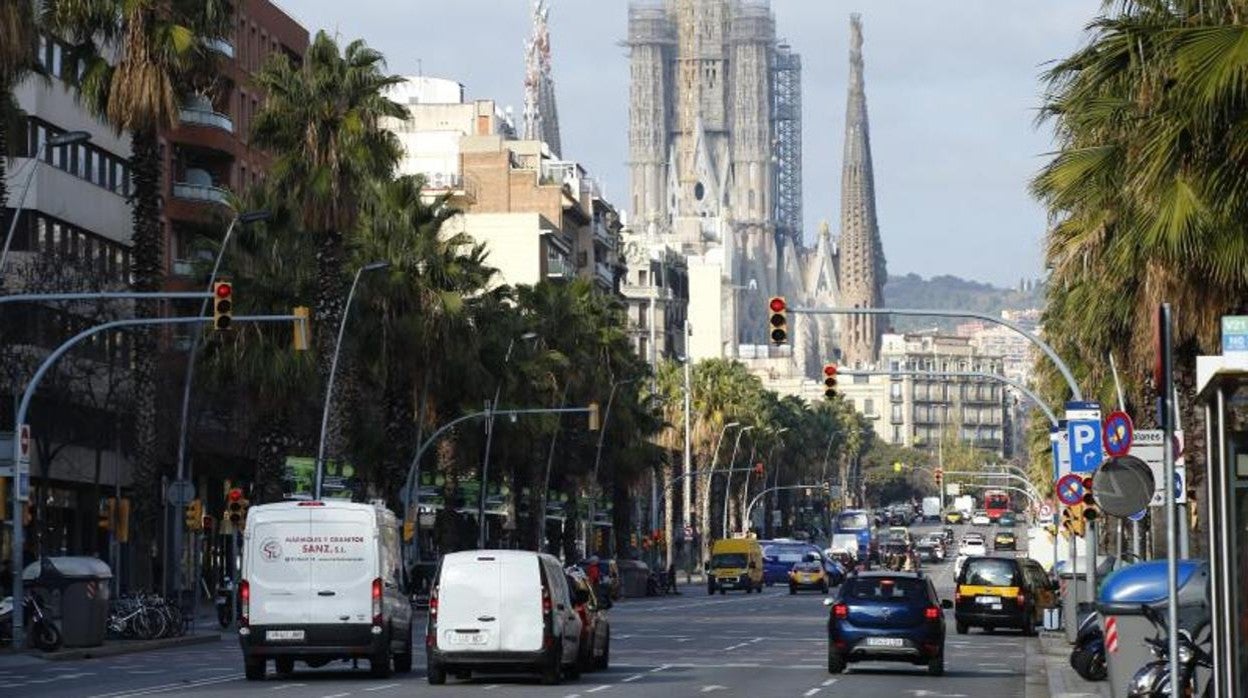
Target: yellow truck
{"type": "Point", "coordinates": [736, 563]}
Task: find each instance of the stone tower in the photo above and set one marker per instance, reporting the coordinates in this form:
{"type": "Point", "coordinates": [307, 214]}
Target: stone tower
{"type": "Point", "coordinates": [862, 271]}
{"type": "Point", "coordinates": [541, 115]}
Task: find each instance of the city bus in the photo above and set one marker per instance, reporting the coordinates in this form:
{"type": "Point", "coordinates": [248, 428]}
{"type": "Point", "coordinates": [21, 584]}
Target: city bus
{"type": "Point", "coordinates": [996, 503]}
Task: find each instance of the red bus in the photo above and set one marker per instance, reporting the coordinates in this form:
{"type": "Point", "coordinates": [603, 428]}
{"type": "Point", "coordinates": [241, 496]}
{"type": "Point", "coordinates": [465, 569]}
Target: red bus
{"type": "Point", "coordinates": [996, 503]}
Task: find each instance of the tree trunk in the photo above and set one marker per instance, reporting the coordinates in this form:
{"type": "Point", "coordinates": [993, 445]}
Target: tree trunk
{"type": "Point", "coordinates": [400, 431]}
{"type": "Point", "coordinates": [669, 510]}
{"type": "Point", "coordinates": [330, 299]}
{"type": "Point", "coordinates": [274, 443]}
{"type": "Point", "coordinates": [147, 268]}
{"type": "Point", "coordinates": [704, 517]}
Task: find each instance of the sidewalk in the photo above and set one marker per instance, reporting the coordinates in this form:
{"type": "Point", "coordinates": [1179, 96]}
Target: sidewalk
{"type": "Point", "coordinates": [1063, 682]}
{"type": "Point", "coordinates": [206, 631]}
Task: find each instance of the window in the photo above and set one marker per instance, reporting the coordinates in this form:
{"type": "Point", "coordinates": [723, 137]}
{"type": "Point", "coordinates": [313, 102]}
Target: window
{"type": "Point", "coordinates": [868, 406]}
{"type": "Point", "coordinates": [896, 413]}
{"type": "Point", "coordinates": [894, 390]}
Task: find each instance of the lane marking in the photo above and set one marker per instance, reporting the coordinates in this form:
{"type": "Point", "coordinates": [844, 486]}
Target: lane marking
{"type": "Point", "coordinates": [595, 689]}
{"type": "Point", "coordinates": [812, 692]}
{"type": "Point", "coordinates": [285, 686]}
{"type": "Point", "coordinates": [146, 671]}
{"type": "Point", "coordinates": [657, 669]}
{"type": "Point", "coordinates": [164, 688]}
{"type": "Point", "coordinates": [829, 682]}
{"type": "Point", "coordinates": [382, 688]}
{"type": "Point", "coordinates": [336, 695]}
{"type": "Point", "coordinates": [491, 687]}
{"type": "Point", "coordinates": [632, 678]}
{"type": "Point", "coordinates": [708, 689]}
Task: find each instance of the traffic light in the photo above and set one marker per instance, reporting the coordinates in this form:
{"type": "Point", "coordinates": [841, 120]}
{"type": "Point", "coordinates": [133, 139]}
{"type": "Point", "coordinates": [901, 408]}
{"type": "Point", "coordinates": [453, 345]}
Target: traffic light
{"type": "Point", "coordinates": [194, 515]}
{"type": "Point", "coordinates": [222, 305]}
{"type": "Point", "coordinates": [779, 320]}
{"type": "Point", "coordinates": [940, 477]}
{"type": "Point", "coordinates": [123, 520]}
{"type": "Point", "coordinates": [108, 513]}
{"type": "Point", "coordinates": [1090, 510]}
{"type": "Point", "coordinates": [829, 381]}
{"type": "Point", "coordinates": [759, 471]}
{"type": "Point", "coordinates": [235, 508]}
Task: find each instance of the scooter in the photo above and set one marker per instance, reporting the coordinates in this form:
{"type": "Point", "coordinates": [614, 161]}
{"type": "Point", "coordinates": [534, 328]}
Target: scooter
{"type": "Point", "coordinates": [1088, 656]}
{"type": "Point", "coordinates": [40, 630]}
{"type": "Point", "coordinates": [1153, 679]}
{"type": "Point", "coordinates": [225, 602]}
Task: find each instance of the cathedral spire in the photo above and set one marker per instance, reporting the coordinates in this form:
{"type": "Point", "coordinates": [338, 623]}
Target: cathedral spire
{"type": "Point", "coordinates": [541, 118]}
{"type": "Point", "coordinates": [862, 269]}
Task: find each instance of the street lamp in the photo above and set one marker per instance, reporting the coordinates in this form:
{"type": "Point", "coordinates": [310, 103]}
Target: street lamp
{"type": "Point", "coordinates": [745, 523]}
{"type": "Point", "coordinates": [602, 435]}
{"type": "Point", "coordinates": [319, 480]}
{"type": "Point", "coordinates": [246, 218]}
{"type": "Point", "coordinates": [57, 141]}
{"type": "Point", "coordinates": [710, 475]}
{"type": "Point", "coordinates": [489, 440]}
{"type": "Point", "coordinates": [728, 485]}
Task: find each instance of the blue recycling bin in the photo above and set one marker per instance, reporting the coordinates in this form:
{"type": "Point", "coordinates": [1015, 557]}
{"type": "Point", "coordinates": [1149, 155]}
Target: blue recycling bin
{"type": "Point", "coordinates": [1122, 599]}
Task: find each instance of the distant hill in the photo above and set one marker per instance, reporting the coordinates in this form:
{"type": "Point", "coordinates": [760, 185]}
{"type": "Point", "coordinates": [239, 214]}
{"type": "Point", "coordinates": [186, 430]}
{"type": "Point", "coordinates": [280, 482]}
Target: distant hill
{"type": "Point", "coordinates": [913, 291]}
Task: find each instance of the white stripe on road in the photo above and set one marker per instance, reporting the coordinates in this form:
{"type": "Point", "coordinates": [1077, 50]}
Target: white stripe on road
{"type": "Point", "coordinates": [285, 686]}
{"type": "Point", "coordinates": [632, 678]}
{"type": "Point", "coordinates": [595, 689]}
{"type": "Point", "coordinates": [657, 669]}
{"type": "Point", "coordinates": [382, 687]}
{"type": "Point", "coordinates": [336, 695]}
{"type": "Point", "coordinates": [708, 689]}
{"type": "Point", "coordinates": [829, 682]}
{"type": "Point", "coordinates": [491, 687]}
{"type": "Point", "coordinates": [812, 692]}
{"type": "Point", "coordinates": [164, 688]}
{"type": "Point", "coordinates": [736, 646]}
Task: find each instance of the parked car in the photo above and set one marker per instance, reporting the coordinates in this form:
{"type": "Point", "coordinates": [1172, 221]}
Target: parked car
{"type": "Point", "coordinates": [996, 592]}
{"type": "Point", "coordinates": [887, 616]}
{"type": "Point", "coordinates": [595, 645]}
{"type": "Point", "coordinates": [323, 580]}
{"type": "Point", "coordinates": [502, 610]}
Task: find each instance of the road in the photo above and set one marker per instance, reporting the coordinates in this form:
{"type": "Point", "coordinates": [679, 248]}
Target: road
{"type": "Point", "coordinates": [689, 645]}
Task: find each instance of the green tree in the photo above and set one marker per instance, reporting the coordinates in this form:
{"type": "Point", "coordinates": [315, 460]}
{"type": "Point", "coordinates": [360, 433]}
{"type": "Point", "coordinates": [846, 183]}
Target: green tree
{"type": "Point", "coordinates": [19, 41]}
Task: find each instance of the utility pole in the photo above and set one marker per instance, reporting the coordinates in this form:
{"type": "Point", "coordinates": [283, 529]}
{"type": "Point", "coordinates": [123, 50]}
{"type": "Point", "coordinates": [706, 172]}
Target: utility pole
{"type": "Point", "coordinates": [687, 487]}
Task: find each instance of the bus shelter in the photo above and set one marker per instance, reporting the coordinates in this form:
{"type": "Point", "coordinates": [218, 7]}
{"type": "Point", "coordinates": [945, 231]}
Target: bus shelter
{"type": "Point", "coordinates": [1222, 383]}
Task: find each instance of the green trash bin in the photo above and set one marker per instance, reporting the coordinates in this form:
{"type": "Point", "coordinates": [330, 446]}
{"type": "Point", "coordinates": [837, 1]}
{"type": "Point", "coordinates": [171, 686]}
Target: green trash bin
{"type": "Point", "coordinates": [76, 588]}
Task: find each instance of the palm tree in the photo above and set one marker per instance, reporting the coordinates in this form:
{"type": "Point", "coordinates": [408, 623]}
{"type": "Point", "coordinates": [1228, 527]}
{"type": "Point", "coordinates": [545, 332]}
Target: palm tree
{"type": "Point", "coordinates": [19, 41]}
{"type": "Point", "coordinates": [322, 123]}
{"type": "Point", "coordinates": [139, 59]}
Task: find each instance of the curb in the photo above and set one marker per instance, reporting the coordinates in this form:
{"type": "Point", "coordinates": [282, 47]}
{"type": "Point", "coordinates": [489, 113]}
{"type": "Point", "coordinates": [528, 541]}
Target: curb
{"type": "Point", "coordinates": [1037, 679]}
{"type": "Point", "coordinates": [128, 647]}
{"type": "Point", "coordinates": [1062, 680]}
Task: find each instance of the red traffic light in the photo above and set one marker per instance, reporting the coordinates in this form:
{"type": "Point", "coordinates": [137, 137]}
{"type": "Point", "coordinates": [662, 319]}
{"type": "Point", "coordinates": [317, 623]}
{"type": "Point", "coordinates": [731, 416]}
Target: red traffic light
{"type": "Point", "coordinates": [829, 370]}
{"type": "Point", "coordinates": [1087, 484]}
{"type": "Point", "coordinates": [758, 468]}
{"type": "Point", "coordinates": [224, 289]}
{"type": "Point", "coordinates": [778, 305]}
{"type": "Point", "coordinates": [235, 494]}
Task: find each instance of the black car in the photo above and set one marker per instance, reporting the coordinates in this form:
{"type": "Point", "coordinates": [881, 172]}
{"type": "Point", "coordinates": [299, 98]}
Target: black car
{"type": "Point", "coordinates": [887, 616]}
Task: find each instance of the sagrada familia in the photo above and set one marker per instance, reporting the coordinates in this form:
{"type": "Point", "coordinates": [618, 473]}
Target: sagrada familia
{"type": "Point", "coordinates": [715, 169]}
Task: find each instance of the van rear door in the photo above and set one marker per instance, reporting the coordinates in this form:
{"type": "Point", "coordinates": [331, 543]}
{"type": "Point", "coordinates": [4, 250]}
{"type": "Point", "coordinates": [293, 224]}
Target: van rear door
{"type": "Point", "coordinates": [276, 570]}
{"type": "Point", "coordinates": [523, 624]}
{"type": "Point", "coordinates": [470, 604]}
{"type": "Point", "coordinates": [342, 551]}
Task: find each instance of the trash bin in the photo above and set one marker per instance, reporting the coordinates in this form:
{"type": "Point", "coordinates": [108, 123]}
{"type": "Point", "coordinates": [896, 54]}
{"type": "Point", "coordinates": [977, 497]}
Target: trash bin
{"type": "Point", "coordinates": [1073, 588]}
{"type": "Point", "coordinates": [76, 591]}
{"type": "Point", "coordinates": [1120, 602]}
{"type": "Point", "coordinates": [633, 577]}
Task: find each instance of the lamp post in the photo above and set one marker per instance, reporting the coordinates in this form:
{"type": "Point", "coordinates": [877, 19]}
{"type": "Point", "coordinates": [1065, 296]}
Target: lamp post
{"type": "Point", "coordinates": [728, 485]}
{"type": "Point", "coordinates": [703, 523]}
{"type": "Point", "coordinates": [602, 435]}
{"type": "Point", "coordinates": [179, 521]}
{"type": "Point", "coordinates": [57, 141]}
{"type": "Point", "coordinates": [489, 440]}
{"type": "Point", "coordinates": [686, 488]}
{"type": "Point", "coordinates": [319, 480]}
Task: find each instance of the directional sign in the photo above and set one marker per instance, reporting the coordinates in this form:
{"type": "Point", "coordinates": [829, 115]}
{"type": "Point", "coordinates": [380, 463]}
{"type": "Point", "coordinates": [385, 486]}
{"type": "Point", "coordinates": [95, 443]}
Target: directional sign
{"type": "Point", "coordinates": [1083, 429]}
{"type": "Point", "coordinates": [1070, 489]}
{"type": "Point", "coordinates": [1148, 448]}
{"type": "Point", "coordinates": [1060, 444]}
{"type": "Point", "coordinates": [1118, 432]}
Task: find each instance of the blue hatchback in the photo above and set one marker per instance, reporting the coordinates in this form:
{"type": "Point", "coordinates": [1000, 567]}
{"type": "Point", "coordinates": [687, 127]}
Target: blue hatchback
{"type": "Point", "coordinates": [887, 616]}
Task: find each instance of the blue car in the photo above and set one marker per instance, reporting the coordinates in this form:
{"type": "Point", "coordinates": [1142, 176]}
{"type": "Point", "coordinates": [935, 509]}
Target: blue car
{"type": "Point", "coordinates": [887, 616]}
{"type": "Point", "coordinates": [779, 556]}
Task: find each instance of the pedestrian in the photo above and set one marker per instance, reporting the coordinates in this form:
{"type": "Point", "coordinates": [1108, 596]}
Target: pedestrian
{"type": "Point", "coordinates": [593, 572]}
{"type": "Point", "coordinates": [671, 579]}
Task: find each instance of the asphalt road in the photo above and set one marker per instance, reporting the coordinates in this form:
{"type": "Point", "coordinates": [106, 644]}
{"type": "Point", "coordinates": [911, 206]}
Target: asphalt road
{"type": "Point", "coordinates": [689, 645]}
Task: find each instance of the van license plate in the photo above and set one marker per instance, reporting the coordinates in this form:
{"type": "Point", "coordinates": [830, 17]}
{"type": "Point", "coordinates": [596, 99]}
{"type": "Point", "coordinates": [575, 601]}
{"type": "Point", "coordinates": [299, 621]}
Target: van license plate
{"type": "Point", "coordinates": [885, 642]}
{"type": "Point", "coordinates": [461, 638]}
{"type": "Point", "coordinates": [287, 635]}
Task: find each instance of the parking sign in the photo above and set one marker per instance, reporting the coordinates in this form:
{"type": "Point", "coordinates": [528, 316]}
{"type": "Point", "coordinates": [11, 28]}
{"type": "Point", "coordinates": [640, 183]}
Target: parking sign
{"type": "Point", "coordinates": [1083, 434]}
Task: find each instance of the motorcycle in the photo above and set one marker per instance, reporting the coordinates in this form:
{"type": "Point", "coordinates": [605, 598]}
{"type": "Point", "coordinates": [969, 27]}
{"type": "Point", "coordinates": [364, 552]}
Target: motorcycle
{"type": "Point", "coordinates": [1153, 679]}
{"type": "Point", "coordinates": [41, 632]}
{"type": "Point", "coordinates": [1088, 656]}
{"type": "Point", "coordinates": [225, 602]}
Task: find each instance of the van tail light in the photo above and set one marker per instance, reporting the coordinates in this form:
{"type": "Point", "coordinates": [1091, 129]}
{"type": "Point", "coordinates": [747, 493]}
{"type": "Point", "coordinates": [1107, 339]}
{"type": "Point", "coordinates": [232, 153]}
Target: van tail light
{"type": "Point", "coordinates": [1021, 599]}
{"type": "Point", "coordinates": [377, 601]}
{"type": "Point", "coordinates": [932, 613]}
{"type": "Point", "coordinates": [840, 610]}
{"type": "Point", "coordinates": [431, 632]}
{"type": "Point", "coordinates": [548, 622]}
{"type": "Point", "coordinates": [244, 603]}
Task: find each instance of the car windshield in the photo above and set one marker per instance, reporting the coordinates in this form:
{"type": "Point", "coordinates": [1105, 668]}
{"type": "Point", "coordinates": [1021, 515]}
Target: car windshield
{"type": "Point", "coordinates": [989, 573]}
{"type": "Point", "coordinates": [807, 567]}
{"type": "Point", "coordinates": [728, 560]}
{"type": "Point", "coordinates": [852, 522]}
{"type": "Point", "coordinates": [883, 589]}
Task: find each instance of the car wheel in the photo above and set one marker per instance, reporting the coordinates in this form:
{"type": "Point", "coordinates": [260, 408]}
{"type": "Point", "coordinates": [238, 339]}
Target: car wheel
{"type": "Point", "coordinates": [936, 667]}
{"type": "Point", "coordinates": [825, 588]}
{"type": "Point", "coordinates": [962, 627]}
{"type": "Point", "coordinates": [379, 665]}
{"type": "Point", "coordinates": [601, 663]}
{"type": "Point", "coordinates": [403, 660]}
{"type": "Point", "coordinates": [552, 670]}
{"type": "Point", "coordinates": [436, 673]}
{"type": "Point", "coordinates": [574, 669]}
{"type": "Point", "coordinates": [710, 589]}
{"type": "Point", "coordinates": [836, 663]}
{"type": "Point", "coordinates": [792, 590]}
{"type": "Point", "coordinates": [254, 669]}
{"type": "Point", "coordinates": [284, 666]}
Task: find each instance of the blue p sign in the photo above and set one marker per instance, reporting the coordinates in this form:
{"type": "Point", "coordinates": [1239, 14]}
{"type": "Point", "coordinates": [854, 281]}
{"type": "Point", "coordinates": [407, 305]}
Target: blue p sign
{"type": "Point", "coordinates": [1086, 451]}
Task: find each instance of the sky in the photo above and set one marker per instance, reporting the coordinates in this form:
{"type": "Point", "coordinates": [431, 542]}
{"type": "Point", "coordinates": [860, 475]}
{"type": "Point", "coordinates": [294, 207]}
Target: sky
{"type": "Point", "coordinates": [952, 92]}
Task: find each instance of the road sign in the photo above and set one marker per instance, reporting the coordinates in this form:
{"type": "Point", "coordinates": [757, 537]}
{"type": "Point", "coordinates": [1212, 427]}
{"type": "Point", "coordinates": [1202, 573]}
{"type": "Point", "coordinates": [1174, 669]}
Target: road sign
{"type": "Point", "coordinates": [1070, 489]}
{"type": "Point", "coordinates": [1118, 431]}
{"type": "Point", "coordinates": [23, 442]}
{"type": "Point", "coordinates": [180, 493]}
{"type": "Point", "coordinates": [1148, 448]}
{"type": "Point", "coordinates": [1083, 429]}
{"type": "Point", "coordinates": [1060, 445]}
{"type": "Point", "coordinates": [1046, 510]}
{"type": "Point", "coordinates": [1123, 485]}
{"type": "Point", "coordinates": [834, 491]}
{"type": "Point", "coordinates": [1234, 334]}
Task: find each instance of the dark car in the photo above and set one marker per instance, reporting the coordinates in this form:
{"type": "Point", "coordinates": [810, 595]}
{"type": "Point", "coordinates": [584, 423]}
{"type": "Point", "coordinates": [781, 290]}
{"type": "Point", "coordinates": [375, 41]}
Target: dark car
{"type": "Point", "coordinates": [931, 547]}
{"type": "Point", "coordinates": [595, 646]}
{"type": "Point", "coordinates": [999, 592]}
{"type": "Point", "coordinates": [1007, 519]}
{"type": "Point", "coordinates": [887, 616]}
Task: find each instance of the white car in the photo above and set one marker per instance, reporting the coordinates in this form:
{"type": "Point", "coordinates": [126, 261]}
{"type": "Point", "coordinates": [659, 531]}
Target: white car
{"type": "Point", "coordinates": [972, 547]}
{"type": "Point", "coordinates": [981, 519]}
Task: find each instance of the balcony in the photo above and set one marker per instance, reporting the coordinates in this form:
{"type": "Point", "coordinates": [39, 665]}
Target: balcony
{"type": "Point", "coordinates": [201, 192]}
{"type": "Point", "coordinates": [646, 292]}
{"type": "Point", "coordinates": [604, 274]}
{"type": "Point", "coordinates": [602, 234]}
{"type": "Point", "coordinates": [221, 46]}
{"type": "Point", "coordinates": [206, 117]}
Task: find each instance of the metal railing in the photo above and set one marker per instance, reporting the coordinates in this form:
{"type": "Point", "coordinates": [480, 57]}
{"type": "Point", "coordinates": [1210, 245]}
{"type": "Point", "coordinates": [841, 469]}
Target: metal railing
{"type": "Point", "coordinates": [201, 192]}
{"type": "Point", "coordinates": [221, 46]}
{"type": "Point", "coordinates": [206, 117]}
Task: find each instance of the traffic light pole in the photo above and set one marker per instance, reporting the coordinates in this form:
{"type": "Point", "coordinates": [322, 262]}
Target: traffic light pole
{"type": "Point", "coordinates": [28, 394]}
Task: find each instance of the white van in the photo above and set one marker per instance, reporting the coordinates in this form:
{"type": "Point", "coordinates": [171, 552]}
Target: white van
{"type": "Point", "coordinates": [501, 610]}
{"type": "Point", "coordinates": [323, 580]}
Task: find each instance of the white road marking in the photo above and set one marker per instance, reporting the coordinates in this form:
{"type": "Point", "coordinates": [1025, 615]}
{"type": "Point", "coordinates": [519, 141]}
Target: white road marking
{"type": "Point", "coordinates": [812, 692]}
{"type": "Point", "coordinates": [165, 688]}
{"type": "Point", "coordinates": [736, 646]}
{"type": "Point", "coordinates": [382, 687]}
{"type": "Point", "coordinates": [829, 682]}
{"type": "Point", "coordinates": [491, 687]}
{"type": "Point", "coordinates": [595, 689]}
{"type": "Point", "coordinates": [285, 686]}
{"type": "Point", "coordinates": [146, 671]}
{"type": "Point", "coordinates": [657, 669]}
{"type": "Point", "coordinates": [336, 695]}
{"type": "Point", "coordinates": [632, 678]}
{"type": "Point", "coordinates": [708, 689]}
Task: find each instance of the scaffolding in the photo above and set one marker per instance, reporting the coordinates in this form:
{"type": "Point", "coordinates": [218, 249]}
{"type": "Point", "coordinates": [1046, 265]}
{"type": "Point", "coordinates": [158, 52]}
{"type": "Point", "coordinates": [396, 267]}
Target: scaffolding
{"type": "Point", "coordinates": [786, 123]}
